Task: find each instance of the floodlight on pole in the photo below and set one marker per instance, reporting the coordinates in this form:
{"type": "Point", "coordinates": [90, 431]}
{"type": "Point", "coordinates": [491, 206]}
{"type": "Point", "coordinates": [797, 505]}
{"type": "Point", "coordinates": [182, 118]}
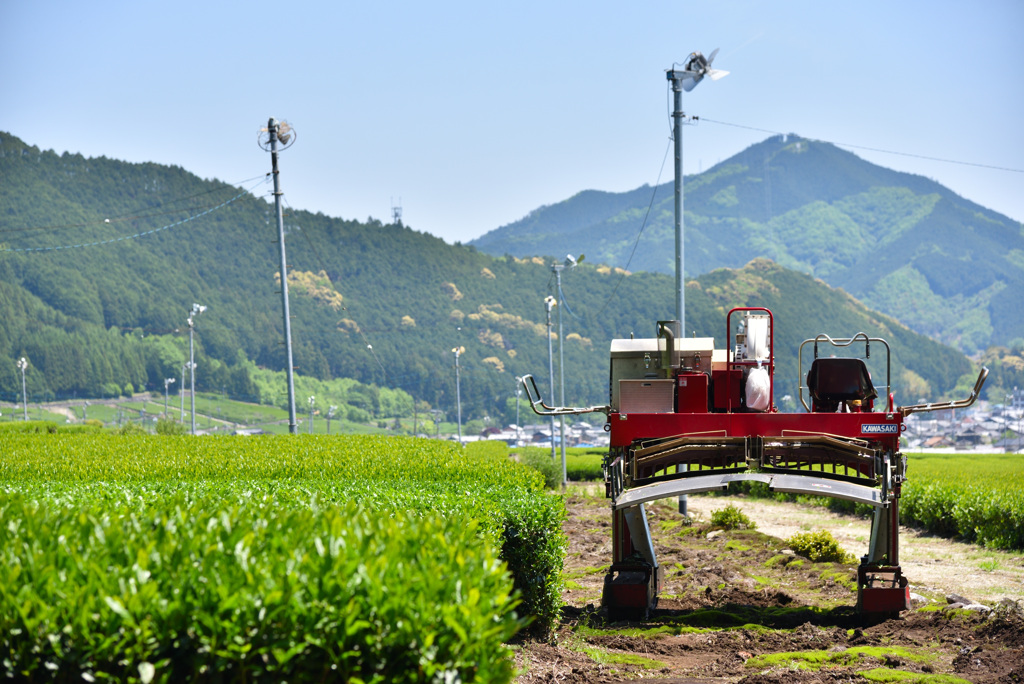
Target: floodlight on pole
{"type": "Point", "coordinates": [570, 263]}
{"type": "Point", "coordinates": [330, 414]}
{"type": "Point", "coordinates": [279, 131]}
{"type": "Point", "coordinates": [693, 72]}
{"type": "Point", "coordinates": [519, 394]}
{"type": "Point", "coordinates": [22, 364]}
{"type": "Point", "coordinates": [549, 303]}
{"type": "Point", "coordinates": [196, 310]}
{"type": "Point", "coordinates": [458, 388]}
{"type": "Point", "coordinates": [167, 383]}
{"type": "Point", "coordinates": [181, 392]}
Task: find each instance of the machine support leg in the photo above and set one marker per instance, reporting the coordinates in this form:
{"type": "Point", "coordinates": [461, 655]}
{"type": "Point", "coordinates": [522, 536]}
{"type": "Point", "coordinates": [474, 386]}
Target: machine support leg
{"type": "Point", "coordinates": [632, 582]}
{"type": "Point", "coordinates": [881, 586]}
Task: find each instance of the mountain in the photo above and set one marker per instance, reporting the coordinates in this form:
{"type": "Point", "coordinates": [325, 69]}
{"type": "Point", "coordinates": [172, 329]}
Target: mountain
{"type": "Point", "coordinates": [101, 261]}
{"type": "Point", "coordinates": [901, 243]}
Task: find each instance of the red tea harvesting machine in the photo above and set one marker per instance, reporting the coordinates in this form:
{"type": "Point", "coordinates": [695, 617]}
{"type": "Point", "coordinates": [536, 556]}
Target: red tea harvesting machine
{"type": "Point", "coordinates": [685, 417]}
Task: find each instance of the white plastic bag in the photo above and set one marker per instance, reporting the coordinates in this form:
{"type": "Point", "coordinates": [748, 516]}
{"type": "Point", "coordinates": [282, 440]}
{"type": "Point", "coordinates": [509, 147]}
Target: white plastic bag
{"type": "Point", "coordinates": [758, 389]}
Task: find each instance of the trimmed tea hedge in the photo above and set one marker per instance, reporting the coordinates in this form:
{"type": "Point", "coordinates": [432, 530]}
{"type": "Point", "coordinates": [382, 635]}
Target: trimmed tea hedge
{"type": "Point", "coordinates": [979, 498]}
{"type": "Point", "coordinates": [166, 558]}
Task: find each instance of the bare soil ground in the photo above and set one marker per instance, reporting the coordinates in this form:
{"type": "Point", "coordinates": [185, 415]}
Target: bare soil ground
{"type": "Point", "coordinates": [738, 608]}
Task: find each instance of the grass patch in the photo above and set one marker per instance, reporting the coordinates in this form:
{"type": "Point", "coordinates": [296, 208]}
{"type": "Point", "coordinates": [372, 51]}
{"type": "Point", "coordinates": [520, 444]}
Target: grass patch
{"type": "Point", "coordinates": [584, 572]}
{"type": "Point", "coordinates": [851, 657]}
{"type": "Point", "coordinates": [604, 657]}
{"type": "Point", "coordinates": [777, 560]}
{"type": "Point", "coordinates": [884, 674]}
{"type": "Point", "coordinates": [669, 630]}
{"type": "Point", "coordinates": [841, 578]}
{"type": "Point", "coordinates": [669, 525]}
{"type": "Point", "coordinates": [733, 545]}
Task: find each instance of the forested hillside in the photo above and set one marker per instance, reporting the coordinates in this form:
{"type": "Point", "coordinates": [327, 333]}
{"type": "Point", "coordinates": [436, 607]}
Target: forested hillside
{"type": "Point", "coordinates": [101, 261]}
{"type": "Point", "coordinates": [903, 244]}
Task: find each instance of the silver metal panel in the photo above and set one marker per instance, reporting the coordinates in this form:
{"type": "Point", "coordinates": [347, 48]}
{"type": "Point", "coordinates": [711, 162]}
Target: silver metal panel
{"type": "Point", "coordinates": [670, 488]}
{"type": "Point", "coordinates": [647, 396]}
{"type": "Point", "coordinates": [798, 484]}
{"type": "Point", "coordinates": [640, 533]}
{"type": "Point", "coordinates": [803, 484]}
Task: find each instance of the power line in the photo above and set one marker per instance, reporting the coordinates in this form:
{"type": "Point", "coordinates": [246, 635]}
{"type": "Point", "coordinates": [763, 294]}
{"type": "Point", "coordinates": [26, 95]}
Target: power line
{"type": "Point", "coordinates": [135, 217]}
{"type": "Point", "coordinates": [136, 235]}
{"type": "Point", "coordinates": [871, 149]}
{"type": "Point", "coordinates": [654, 192]}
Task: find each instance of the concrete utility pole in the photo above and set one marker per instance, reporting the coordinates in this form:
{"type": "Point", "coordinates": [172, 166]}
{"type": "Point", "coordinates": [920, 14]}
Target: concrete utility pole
{"type": "Point", "coordinates": [167, 383]}
{"type": "Point", "coordinates": [181, 392]}
{"type": "Point", "coordinates": [519, 394]}
{"type": "Point", "coordinates": [677, 135]}
{"type": "Point", "coordinates": [22, 365]}
{"type": "Point", "coordinates": [274, 129]}
{"type": "Point", "coordinates": [196, 310]}
{"type": "Point", "coordinates": [458, 391]}
{"type": "Point", "coordinates": [557, 270]}
{"type": "Point", "coordinates": [549, 302]}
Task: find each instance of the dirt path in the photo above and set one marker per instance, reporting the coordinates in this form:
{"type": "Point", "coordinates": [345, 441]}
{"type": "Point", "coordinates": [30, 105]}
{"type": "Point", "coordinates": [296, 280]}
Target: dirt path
{"type": "Point", "coordinates": [933, 565]}
{"type": "Point", "coordinates": [732, 604]}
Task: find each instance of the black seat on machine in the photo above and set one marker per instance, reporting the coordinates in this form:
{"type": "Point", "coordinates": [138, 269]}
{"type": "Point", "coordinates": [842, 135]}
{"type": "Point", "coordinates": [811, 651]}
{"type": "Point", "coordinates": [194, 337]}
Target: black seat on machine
{"type": "Point", "coordinates": [834, 380]}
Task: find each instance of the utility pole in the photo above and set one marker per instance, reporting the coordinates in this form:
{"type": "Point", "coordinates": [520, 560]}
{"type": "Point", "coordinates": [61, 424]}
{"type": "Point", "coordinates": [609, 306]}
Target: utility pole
{"type": "Point", "coordinates": [549, 302]}
{"type": "Point", "coordinates": [330, 414]}
{"type": "Point", "coordinates": [167, 383]}
{"type": "Point", "coordinates": [196, 310]}
{"type": "Point", "coordinates": [677, 134]}
{"type": "Point", "coordinates": [519, 393]}
{"type": "Point", "coordinates": [458, 391]}
{"type": "Point", "coordinates": [22, 365]}
{"type": "Point", "coordinates": [557, 270]}
{"type": "Point", "coordinates": [312, 402]}
{"type": "Point", "coordinates": [181, 392]}
{"type": "Point", "coordinates": [274, 128]}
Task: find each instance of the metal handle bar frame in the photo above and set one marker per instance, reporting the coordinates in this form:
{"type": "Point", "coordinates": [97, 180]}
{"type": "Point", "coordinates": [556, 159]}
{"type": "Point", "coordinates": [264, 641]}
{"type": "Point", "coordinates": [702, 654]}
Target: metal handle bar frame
{"type": "Point", "coordinates": [960, 403]}
{"type": "Point", "coordinates": [533, 395]}
{"type": "Point", "coordinates": [843, 342]}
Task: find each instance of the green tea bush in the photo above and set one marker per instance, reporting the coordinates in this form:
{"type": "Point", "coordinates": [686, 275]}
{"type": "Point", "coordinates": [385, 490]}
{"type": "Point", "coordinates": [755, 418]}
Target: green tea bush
{"type": "Point", "coordinates": [29, 426]}
{"type": "Point", "coordinates": [197, 582]}
{"type": "Point", "coordinates": [819, 546]}
{"type": "Point", "coordinates": [270, 499]}
{"type": "Point", "coordinates": [979, 498]}
{"type": "Point", "coordinates": [584, 465]}
{"type": "Point", "coordinates": [540, 460]}
{"type": "Point", "coordinates": [731, 518]}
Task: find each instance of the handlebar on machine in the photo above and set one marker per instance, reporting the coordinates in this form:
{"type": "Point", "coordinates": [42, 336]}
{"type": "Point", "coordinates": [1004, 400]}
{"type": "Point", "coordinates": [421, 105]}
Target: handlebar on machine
{"type": "Point", "coordinates": [533, 394]}
{"type": "Point", "coordinates": [961, 403]}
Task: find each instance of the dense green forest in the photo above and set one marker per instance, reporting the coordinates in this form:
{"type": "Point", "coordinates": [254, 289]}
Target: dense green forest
{"type": "Point", "coordinates": [102, 260]}
{"type": "Point", "coordinates": [901, 243]}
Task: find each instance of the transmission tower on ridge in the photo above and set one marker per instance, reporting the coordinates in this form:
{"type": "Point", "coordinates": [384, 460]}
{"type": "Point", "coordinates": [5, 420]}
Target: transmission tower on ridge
{"type": "Point", "coordinates": [396, 211]}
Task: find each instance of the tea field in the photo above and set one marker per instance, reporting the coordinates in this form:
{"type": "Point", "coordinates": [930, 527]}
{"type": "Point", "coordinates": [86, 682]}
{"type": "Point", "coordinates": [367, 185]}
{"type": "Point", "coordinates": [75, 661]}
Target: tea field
{"type": "Point", "coordinates": [158, 558]}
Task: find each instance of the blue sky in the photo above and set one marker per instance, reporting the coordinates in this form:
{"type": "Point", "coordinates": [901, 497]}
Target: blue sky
{"type": "Point", "coordinates": [471, 114]}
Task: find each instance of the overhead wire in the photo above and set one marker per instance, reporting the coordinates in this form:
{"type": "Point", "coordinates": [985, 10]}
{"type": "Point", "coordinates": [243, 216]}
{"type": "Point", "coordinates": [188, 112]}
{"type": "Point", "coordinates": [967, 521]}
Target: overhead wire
{"type": "Point", "coordinates": [870, 149]}
{"type": "Point", "coordinates": [643, 225]}
{"type": "Point", "coordinates": [122, 238]}
{"type": "Point", "coordinates": [135, 217]}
